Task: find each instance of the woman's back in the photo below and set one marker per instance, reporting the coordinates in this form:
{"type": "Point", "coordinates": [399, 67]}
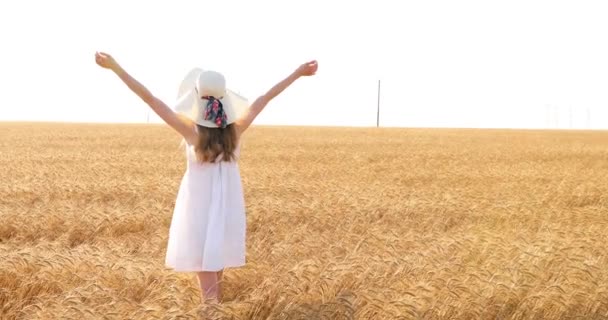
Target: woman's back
{"type": "Point", "coordinates": [209, 216]}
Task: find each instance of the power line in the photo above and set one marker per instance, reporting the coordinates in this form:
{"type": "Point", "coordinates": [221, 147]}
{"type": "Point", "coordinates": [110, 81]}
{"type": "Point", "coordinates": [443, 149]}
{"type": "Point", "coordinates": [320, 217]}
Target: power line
{"type": "Point", "coordinates": [378, 113]}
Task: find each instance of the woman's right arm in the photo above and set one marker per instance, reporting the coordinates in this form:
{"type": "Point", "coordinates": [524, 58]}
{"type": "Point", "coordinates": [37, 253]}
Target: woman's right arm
{"type": "Point", "coordinates": [306, 69]}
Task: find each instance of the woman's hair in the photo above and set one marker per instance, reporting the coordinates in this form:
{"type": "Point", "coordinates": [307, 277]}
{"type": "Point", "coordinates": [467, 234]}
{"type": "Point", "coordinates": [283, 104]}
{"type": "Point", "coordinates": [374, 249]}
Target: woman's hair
{"type": "Point", "coordinates": [213, 142]}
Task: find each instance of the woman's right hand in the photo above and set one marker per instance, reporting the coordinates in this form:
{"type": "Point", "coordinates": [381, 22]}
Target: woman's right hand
{"type": "Point", "coordinates": [308, 68]}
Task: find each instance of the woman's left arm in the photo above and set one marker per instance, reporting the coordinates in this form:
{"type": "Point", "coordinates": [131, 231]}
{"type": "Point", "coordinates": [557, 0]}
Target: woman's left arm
{"type": "Point", "coordinates": [180, 124]}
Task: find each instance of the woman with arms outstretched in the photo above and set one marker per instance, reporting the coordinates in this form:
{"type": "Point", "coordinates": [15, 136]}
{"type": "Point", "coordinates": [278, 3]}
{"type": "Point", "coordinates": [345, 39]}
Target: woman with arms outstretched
{"type": "Point", "coordinates": [207, 232]}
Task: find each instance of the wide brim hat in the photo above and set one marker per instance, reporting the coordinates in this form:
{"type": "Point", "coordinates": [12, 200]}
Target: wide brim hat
{"type": "Point", "coordinates": [199, 83]}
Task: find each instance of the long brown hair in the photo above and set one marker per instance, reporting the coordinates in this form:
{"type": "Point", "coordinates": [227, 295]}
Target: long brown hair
{"type": "Point", "coordinates": [213, 142]}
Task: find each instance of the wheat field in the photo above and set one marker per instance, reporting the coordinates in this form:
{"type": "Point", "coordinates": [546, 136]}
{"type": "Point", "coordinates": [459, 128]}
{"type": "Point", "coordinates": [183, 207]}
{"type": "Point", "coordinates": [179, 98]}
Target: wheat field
{"type": "Point", "coordinates": [343, 223]}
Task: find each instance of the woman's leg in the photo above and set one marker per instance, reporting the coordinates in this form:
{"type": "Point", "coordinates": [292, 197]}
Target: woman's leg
{"type": "Point", "coordinates": [209, 284]}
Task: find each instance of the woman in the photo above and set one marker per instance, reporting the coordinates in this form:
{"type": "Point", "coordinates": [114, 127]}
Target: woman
{"type": "Point", "coordinates": [207, 232]}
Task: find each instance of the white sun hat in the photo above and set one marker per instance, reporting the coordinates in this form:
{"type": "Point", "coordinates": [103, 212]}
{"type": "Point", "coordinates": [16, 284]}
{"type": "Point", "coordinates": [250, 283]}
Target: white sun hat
{"type": "Point", "coordinates": [198, 97]}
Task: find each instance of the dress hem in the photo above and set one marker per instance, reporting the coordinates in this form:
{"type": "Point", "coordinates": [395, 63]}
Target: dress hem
{"type": "Point", "coordinates": [174, 269]}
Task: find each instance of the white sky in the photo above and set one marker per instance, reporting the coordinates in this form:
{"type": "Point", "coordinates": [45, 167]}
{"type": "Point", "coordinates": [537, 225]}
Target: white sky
{"type": "Point", "coordinates": [452, 63]}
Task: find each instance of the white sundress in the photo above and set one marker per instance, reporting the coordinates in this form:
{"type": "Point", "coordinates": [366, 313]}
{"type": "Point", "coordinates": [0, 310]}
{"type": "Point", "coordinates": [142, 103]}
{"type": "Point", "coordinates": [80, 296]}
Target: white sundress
{"type": "Point", "coordinates": [207, 231]}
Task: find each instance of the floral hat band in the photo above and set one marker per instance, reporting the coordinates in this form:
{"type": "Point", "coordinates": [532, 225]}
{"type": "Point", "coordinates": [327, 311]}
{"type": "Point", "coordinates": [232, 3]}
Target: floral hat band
{"type": "Point", "coordinates": [214, 111]}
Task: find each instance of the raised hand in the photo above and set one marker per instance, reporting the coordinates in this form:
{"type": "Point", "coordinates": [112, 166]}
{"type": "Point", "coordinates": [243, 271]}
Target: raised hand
{"type": "Point", "coordinates": [308, 68]}
{"type": "Point", "coordinates": [105, 60]}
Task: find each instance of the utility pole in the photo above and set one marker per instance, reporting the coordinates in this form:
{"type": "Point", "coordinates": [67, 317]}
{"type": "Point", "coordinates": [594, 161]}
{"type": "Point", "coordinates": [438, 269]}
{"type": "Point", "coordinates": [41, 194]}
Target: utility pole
{"type": "Point", "coordinates": [378, 113]}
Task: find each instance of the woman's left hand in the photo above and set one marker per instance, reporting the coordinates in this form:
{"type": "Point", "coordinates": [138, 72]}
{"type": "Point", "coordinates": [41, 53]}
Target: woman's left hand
{"type": "Point", "coordinates": [105, 60]}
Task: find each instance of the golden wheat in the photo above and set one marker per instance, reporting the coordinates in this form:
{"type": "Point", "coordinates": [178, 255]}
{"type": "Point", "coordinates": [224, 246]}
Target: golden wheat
{"type": "Point", "coordinates": [342, 224]}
